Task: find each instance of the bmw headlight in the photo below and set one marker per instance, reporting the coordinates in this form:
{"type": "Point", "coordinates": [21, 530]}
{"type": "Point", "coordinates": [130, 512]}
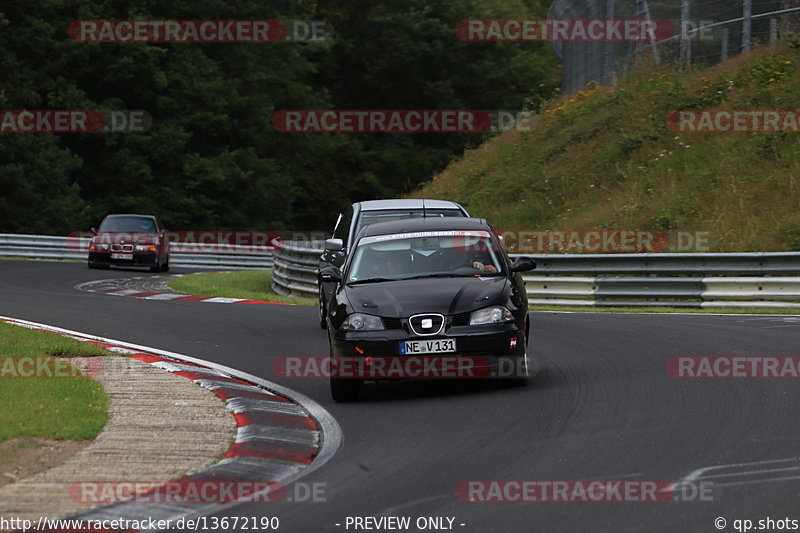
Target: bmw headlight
{"type": "Point", "coordinates": [362, 322]}
{"type": "Point", "coordinates": [490, 315]}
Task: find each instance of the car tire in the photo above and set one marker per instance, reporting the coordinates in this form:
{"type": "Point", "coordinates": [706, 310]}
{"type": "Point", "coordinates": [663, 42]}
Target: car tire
{"type": "Point", "coordinates": [165, 266]}
{"type": "Point", "coordinates": [345, 390]}
{"type": "Point", "coordinates": [522, 372]}
{"type": "Point", "coordinates": [323, 314]}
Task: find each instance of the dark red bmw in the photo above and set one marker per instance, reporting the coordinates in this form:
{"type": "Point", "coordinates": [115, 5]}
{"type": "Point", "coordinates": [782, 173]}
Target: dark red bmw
{"type": "Point", "coordinates": [129, 240]}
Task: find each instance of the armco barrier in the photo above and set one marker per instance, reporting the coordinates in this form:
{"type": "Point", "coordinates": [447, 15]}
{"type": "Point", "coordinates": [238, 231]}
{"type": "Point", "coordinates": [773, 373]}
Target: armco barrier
{"type": "Point", "coordinates": [196, 256]}
{"type": "Point", "coordinates": [763, 279]}
{"type": "Point", "coordinates": [295, 271]}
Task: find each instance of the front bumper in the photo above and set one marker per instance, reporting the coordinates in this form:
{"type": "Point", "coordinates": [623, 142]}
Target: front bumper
{"type": "Point", "coordinates": [489, 351]}
{"type": "Point", "coordinates": [139, 259]}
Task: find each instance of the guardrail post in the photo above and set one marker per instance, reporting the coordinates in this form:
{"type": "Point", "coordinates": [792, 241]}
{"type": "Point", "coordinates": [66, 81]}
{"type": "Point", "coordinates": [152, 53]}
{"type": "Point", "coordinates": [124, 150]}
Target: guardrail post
{"type": "Point", "coordinates": [686, 45]}
{"type": "Point", "coordinates": [773, 33]}
{"type": "Point", "coordinates": [609, 75]}
{"type": "Point", "coordinates": [747, 15]}
{"type": "Point", "coordinates": [724, 52]}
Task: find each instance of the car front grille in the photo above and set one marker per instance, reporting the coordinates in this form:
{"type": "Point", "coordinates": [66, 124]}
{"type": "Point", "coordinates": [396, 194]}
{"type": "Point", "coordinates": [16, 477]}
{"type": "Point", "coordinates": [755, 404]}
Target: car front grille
{"type": "Point", "coordinates": [392, 323]}
{"type": "Point", "coordinates": [461, 319]}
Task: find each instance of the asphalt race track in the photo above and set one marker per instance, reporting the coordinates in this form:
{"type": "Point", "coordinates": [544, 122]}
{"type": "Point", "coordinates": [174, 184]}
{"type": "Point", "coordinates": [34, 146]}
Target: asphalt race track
{"type": "Point", "coordinates": [603, 407]}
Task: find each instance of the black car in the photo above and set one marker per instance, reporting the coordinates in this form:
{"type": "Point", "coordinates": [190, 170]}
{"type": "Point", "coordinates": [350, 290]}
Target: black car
{"type": "Point", "coordinates": [361, 214]}
{"type": "Point", "coordinates": [129, 240]}
{"type": "Point", "coordinates": [439, 291]}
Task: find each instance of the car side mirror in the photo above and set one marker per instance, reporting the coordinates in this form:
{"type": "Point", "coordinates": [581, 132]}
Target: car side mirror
{"type": "Point", "coordinates": [334, 245]}
{"type": "Point", "coordinates": [523, 264]}
{"type": "Point", "coordinates": [330, 274]}
{"type": "Point", "coordinates": [93, 230]}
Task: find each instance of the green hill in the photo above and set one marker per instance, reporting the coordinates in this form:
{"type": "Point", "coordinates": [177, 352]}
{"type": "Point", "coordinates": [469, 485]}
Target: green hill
{"type": "Point", "coordinates": [605, 158]}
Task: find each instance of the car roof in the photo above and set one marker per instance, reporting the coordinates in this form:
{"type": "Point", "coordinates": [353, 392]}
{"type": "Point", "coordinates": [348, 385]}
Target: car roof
{"type": "Point", "coordinates": [129, 215]}
{"type": "Point", "coordinates": [408, 225]}
{"type": "Point", "coordinates": [407, 203]}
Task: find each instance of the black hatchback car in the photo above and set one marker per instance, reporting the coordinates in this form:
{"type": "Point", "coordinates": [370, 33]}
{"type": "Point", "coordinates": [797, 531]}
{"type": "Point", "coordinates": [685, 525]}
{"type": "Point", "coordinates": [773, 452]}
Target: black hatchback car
{"type": "Point", "coordinates": [424, 298]}
{"type": "Point", "coordinates": [361, 214]}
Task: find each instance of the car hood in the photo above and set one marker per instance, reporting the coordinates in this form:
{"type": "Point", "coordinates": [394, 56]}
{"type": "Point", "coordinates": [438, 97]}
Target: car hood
{"type": "Point", "coordinates": [447, 296]}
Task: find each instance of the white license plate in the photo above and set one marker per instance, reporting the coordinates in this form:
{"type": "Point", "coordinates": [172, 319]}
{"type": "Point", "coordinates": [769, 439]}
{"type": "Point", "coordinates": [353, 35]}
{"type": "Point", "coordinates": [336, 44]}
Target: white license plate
{"type": "Point", "coordinates": [121, 256]}
{"type": "Point", "coordinates": [432, 346]}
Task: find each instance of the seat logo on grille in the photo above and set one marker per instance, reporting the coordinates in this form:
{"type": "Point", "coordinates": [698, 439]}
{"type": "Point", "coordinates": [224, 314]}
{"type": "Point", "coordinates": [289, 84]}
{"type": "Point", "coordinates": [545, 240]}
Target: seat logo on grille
{"type": "Point", "coordinates": [427, 324]}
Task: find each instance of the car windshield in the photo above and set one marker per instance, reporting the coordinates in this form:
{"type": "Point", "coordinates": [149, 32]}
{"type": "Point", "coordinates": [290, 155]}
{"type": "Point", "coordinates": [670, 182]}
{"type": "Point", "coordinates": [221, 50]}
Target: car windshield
{"type": "Point", "coordinates": [425, 254]}
{"type": "Point", "coordinates": [142, 224]}
{"type": "Point", "coordinates": [386, 215]}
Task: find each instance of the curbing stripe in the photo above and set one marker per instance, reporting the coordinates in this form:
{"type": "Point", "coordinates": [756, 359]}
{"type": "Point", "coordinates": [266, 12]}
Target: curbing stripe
{"type": "Point", "coordinates": [272, 433]}
{"type": "Point", "coordinates": [268, 448]}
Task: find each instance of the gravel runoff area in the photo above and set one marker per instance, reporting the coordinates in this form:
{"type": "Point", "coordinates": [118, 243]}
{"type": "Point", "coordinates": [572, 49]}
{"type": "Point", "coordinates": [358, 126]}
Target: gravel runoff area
{"type": "Point", "coordinates": [162, 426]}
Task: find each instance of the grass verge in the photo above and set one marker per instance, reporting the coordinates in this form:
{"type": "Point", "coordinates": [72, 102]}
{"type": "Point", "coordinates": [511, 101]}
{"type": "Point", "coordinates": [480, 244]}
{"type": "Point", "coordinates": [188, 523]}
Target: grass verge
{"type": "Point", "coordinates": [248, 284]}
{"type": "Point", "coordinates": [74, 407]}
{"type": "Point", "coordinates": [609, 158]}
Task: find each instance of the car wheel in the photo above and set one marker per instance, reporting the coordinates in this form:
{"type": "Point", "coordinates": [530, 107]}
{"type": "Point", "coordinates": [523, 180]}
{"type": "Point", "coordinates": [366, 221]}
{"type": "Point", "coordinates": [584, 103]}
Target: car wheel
{"type": "Point", "coordinates": [323, 315]}
{"type": "Point", "coordinates": [165, 266]}
{"type": "Point", "coordinates": [93, 265]}
{"type": "Point", "coordinates": [522, 371]}
{"type": "Point", "coordinates": [345, 390]}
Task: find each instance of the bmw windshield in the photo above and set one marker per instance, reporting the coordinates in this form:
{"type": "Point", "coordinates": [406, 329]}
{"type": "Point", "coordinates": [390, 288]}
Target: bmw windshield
{"type": "Point", "coordinates": [124, 223]}
{"type": "Point", "coordinates": [425, 254]}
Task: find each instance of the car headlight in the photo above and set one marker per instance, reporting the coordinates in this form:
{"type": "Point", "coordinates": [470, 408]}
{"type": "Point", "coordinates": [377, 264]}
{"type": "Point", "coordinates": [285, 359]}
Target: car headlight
{"type": "Point", "coordinates": [362, 322]}
{"type": "Point", "coordinates": [490, 315]}
{"type": "Point", "coordinates": [145, 248]}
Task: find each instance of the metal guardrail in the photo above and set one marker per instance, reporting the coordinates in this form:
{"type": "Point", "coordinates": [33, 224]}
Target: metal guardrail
{"type": "Point", "coordinates": [295, 272]}
{"type": "Point", "coordinates": [192, 254]}
{"type": "Point", "coordinates": [757, 279]}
